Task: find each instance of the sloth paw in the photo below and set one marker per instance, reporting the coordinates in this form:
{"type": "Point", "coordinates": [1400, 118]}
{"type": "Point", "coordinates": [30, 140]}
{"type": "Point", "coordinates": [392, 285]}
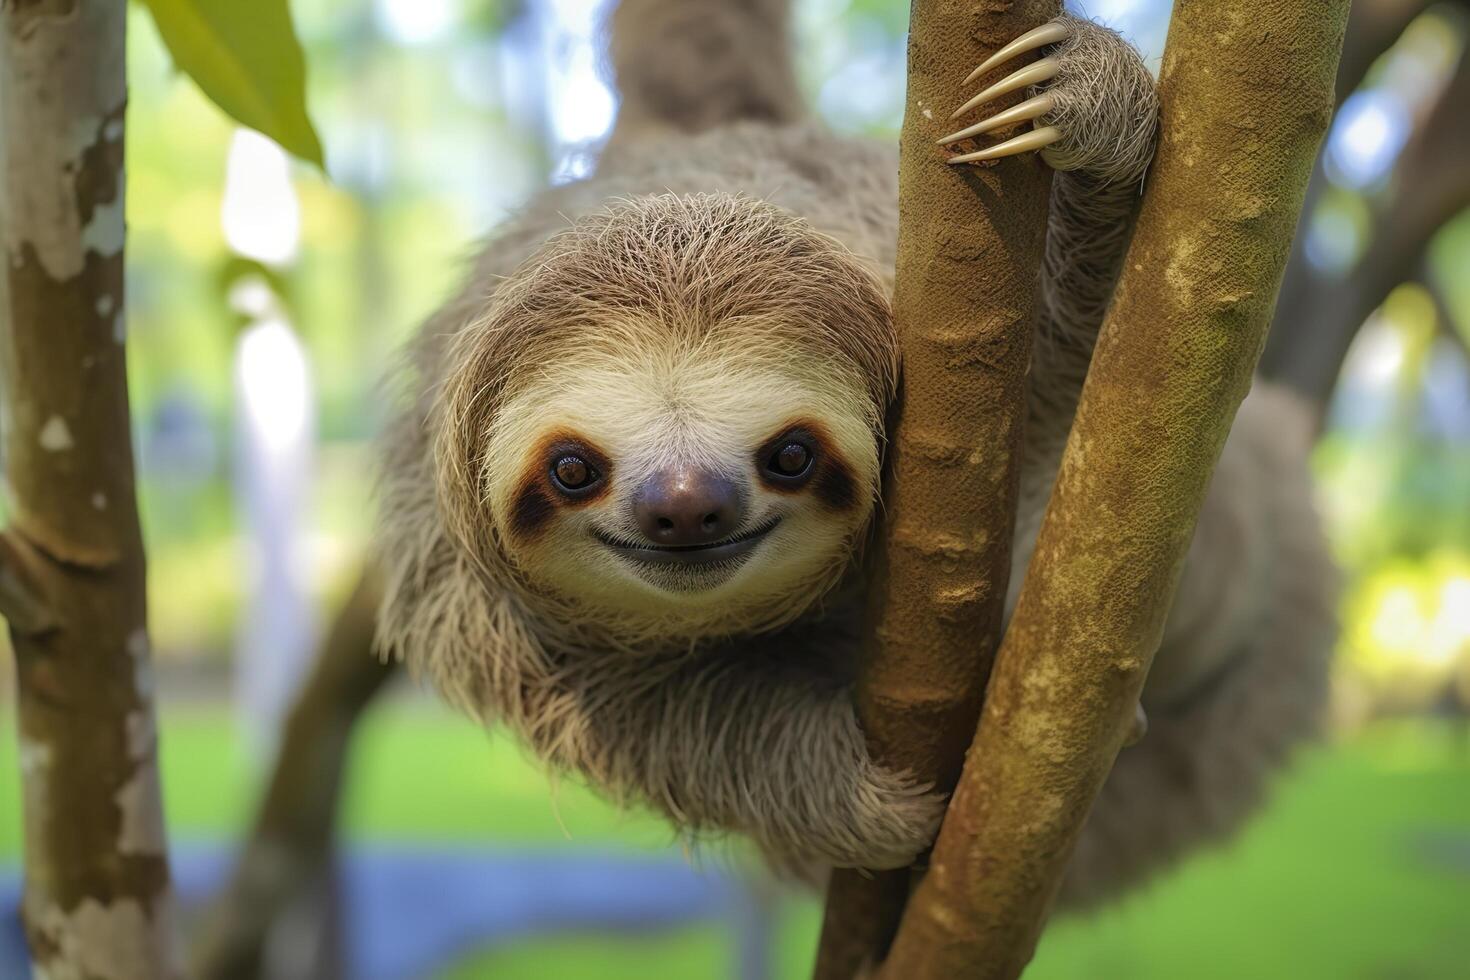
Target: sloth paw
{"type": "Point", "coordinates": [883, 820]}
{"type": "Point", "coordinates": [897, 819]}
{"type": "Point", "coordinates": [1091, 103]}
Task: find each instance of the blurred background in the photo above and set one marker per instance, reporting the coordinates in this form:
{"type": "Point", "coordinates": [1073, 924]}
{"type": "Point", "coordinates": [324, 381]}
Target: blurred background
{"type": "Point", "coordinates": [266, 301]}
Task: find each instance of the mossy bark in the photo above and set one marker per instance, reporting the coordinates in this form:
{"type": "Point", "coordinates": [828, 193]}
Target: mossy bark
{"type": "Point", "coordinates": [96, 870]}
{"type": "Point", "coordinates": [965, 307]}
{"type": "Point", "coordinates": [1247, 92]}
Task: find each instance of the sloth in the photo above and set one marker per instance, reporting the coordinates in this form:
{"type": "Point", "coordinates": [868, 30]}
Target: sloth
{"type": "Point", "coordinates": [626, 501]}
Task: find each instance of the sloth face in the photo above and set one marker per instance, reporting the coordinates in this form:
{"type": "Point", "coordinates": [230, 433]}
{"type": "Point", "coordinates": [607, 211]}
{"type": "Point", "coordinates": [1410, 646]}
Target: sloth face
{"type": "Point", "coordinates": [685, 492]}
{"type": "Point", "coordinates": [666, 425]}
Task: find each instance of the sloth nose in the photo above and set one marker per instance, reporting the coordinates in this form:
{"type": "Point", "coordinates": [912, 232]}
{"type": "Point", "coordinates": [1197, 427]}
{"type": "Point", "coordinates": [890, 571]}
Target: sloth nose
{"type": "Point", "coordinates": [682, 506]}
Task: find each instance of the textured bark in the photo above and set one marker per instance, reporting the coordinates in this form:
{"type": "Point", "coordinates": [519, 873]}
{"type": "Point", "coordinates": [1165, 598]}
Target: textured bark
{"type": "Point", "coordinates": [965, 306]}
{"type": "Point", "coordinates": [284, 872]}
{"type": "Point", "coordinates": [1247, 92]}
{"type": "Point", "coordinates": [97, 901]}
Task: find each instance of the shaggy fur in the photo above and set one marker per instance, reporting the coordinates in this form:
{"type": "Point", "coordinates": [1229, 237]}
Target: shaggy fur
{"type": "Point", "coordinates": [1108, 109]}
{"type": "Point", "coordinates": [689, 301]}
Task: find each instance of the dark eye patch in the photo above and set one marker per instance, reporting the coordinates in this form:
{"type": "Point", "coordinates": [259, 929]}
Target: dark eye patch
{"type": "Point", "coordinates": [563, 470]}
{"type": "Point", "coordinates": [532, 509]}
{"type": "Point", "coordinates": [835, 485]}
{"type": "Point", "coordinates": [803, 456]}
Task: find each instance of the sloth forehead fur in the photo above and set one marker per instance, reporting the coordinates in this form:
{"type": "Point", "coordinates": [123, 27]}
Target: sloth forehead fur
{"type": "Point", "coordinates": [672, 332]}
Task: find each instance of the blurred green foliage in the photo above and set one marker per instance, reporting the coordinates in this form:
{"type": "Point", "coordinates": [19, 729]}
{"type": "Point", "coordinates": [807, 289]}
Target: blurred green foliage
{"type": "Point", "coordinates": [1394, 488]}
{"type": "Point", "coordinates": [381, 243]}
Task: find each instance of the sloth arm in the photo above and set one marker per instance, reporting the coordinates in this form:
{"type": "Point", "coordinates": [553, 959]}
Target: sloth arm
{"type": "Point", "coordinates": [1087, 236]}
{"type": "Point", "coordinates": [753, 737]}
{"type": "Point", "coordinates": [1105, 106]}
{"type": "Point", "coordinates": [1241, 673]}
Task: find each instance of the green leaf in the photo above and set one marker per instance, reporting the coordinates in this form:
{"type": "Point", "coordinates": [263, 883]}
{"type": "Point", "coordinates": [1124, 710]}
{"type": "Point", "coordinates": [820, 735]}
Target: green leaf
{"type": "Point", "coordinates": [246, 58]}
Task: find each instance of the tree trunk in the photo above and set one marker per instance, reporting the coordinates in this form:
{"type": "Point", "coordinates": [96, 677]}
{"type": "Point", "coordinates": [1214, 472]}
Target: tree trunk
{"type": "Point", "coordinates": [1247, 92]}
{"type": "Point", "coordinates": [965, 306]}
{"type": "Point", "coordinates": [97, 900]}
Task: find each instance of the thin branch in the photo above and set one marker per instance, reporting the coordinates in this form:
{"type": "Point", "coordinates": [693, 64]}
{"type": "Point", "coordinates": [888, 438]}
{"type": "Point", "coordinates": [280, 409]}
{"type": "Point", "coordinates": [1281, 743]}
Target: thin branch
{"type": "Point", "coordinates": [1374, 26]}
{"type": "Point", "coordinates": [289, 854]}
{"type": "Point", "coordinates": [965, 307]}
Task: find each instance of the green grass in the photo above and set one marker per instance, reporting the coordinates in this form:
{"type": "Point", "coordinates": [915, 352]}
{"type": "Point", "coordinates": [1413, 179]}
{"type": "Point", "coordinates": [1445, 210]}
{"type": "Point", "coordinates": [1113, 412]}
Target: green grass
{"type": "Point", "coordinates": [1359, 869]}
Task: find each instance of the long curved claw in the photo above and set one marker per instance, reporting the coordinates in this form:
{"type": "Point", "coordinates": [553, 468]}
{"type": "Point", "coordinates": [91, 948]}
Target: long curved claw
{"type": "Point", "coordinates": [1034, 140]}
{"type": "Point", "coordinates": [1042, 71]}
{"type": "Point", "coordinates": [1025, 112]}
{"type": "Point", "coordinates": [1048, 33]}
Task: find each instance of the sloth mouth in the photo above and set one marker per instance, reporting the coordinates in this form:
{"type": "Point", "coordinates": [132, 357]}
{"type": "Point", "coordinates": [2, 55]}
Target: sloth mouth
{"type": "Point", "coordinates": [727, 551]}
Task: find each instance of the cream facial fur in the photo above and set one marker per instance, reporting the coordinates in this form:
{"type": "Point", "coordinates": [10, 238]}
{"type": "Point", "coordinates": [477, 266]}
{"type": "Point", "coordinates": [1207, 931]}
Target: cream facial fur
{"type": "Point", "coordinates": [709, 404]}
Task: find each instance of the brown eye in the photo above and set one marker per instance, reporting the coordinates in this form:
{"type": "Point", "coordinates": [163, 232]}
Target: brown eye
{"type": "Point", "coordinates": [572, 473]}
{"type": "Point", "coordinates": [790, 461]}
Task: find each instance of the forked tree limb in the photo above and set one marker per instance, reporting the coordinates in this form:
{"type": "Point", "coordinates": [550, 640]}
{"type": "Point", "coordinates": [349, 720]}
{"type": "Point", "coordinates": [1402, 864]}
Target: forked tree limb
{"type": "Point", "coordinates": [1247, 93]}
{"type": "Point", "coordinates": [97, 896]}
{"type": "Point", "coordinates": [289, 854]}
{"type": "Point", "coordinates": [965, 306]}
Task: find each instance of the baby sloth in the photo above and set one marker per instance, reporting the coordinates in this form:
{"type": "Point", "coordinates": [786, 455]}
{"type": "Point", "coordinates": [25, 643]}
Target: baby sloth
{"type": "Point", "coordinates": [625, 515]}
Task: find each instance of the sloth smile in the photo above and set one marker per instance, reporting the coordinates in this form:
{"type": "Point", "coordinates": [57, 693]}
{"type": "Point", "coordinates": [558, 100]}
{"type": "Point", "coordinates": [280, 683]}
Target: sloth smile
{"type": "Point", "coordinates": [725, 554]}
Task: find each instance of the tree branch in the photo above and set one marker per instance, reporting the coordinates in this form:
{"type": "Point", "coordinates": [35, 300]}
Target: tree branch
{"type": "Point", "coordinates": [96, 868]}
{"type": "Point", "coordinates": [288, 857]}
{"type": "Point", "coordinates": [1246, 90]}
{"type": "Point", "coordinates": [965, 307]}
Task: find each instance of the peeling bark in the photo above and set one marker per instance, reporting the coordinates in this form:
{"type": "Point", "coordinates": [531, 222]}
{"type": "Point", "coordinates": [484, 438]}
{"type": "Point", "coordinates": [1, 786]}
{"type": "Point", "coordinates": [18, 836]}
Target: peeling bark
{"type": "Point", "coordinates": [965, 307]}
{"type": "Point", "coordinates": [97, 901]}
{"type": "Point", "coordinates": [1247, 92]}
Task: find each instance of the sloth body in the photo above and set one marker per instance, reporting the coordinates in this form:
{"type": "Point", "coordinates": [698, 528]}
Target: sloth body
{"type": "Point", "coordinates": [625, 512]}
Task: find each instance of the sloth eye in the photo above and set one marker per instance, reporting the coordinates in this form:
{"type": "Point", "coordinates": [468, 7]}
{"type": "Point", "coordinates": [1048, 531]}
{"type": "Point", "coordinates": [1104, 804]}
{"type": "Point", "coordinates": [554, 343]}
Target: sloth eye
{"type": "Point", "coordinates": [791, 460]}
{"type": "Point", "coordinates": [571, 474]}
